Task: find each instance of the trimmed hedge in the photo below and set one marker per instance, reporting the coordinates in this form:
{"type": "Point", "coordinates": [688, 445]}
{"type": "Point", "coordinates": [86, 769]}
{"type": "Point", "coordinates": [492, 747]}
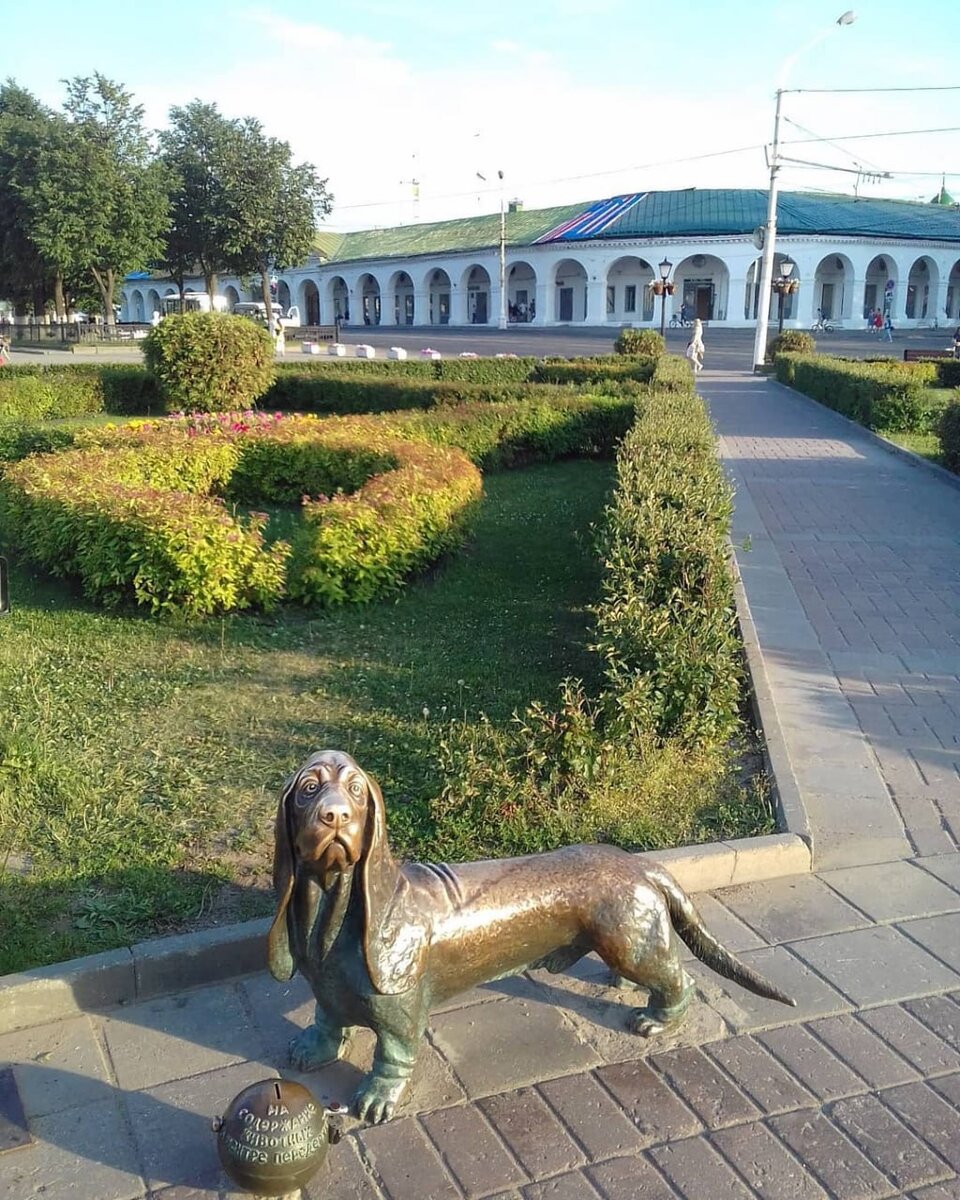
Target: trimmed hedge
{"type": "Point", "coordinates": [883, 395]}
{"type": "Point", "coordinates": [595, 370]}
{"type": "Point", "coordinates": [791, 341]}
{"type": "Point", "coordinates": [117, 510]}
{"type": "Point", "coordinates": [667, 623]}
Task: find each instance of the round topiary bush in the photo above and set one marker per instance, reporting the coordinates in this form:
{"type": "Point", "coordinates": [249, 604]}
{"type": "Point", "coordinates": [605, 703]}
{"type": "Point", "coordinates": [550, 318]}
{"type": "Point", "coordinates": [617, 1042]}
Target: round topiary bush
{"type": "Point", "coordinates": [791, 341]}
{"type": "Point", "coordinates": [209, 362]}
{"type": "Point", "coordinates": [646, 342]}
{"type": "Point", "coordinates": [950, 434]}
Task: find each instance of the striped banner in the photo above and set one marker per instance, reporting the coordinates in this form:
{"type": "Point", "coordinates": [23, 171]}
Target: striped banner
{"type": "Point", "coordinates": [593, 220]}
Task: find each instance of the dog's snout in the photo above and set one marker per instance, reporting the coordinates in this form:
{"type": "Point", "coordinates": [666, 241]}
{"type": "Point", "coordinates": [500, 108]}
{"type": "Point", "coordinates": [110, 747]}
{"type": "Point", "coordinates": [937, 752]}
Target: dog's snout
{"type": "Point", "coordinates": [335, 813]}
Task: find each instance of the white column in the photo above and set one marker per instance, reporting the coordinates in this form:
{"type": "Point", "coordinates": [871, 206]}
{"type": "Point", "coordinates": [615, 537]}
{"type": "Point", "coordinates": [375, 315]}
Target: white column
{"type": "Point", "coordinates": [542, 312]}
{"type": "Point", "coordinates": [596, 302]}
{"type": "Point", "coordinates": [458, 304]}
{"type": "Point", "coordinates": [421, 308]}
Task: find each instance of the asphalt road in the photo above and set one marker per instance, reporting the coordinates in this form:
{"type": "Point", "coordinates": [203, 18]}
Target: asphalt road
{"type": "Point", "coordinates": [727, 349]}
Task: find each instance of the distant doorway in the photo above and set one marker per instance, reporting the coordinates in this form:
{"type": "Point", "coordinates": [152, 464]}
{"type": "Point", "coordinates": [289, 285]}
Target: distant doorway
{"type": "Point", "coordinates": [566, 304]}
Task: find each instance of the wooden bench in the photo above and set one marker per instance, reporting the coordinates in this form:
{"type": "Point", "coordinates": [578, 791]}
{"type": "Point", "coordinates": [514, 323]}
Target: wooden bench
{"type": "Point", "coordinates": [924, 355]}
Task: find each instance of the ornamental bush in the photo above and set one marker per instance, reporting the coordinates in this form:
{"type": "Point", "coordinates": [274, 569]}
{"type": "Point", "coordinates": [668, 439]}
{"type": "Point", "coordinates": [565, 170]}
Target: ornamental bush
{"type": "Point", "coordinates": [646, 343]}
{"type": "Point", "coordinates": [209, 362]}
{"type": "Point", "coordinates": [792, 341]}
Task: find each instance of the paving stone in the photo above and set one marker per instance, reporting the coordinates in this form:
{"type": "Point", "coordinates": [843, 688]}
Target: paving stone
{"type": "Point", "coordinates": [887, 1142]}
{"type": "Point", "coordinates": [78, 1153]}
{"type": "Point", "coordinates": [939, 935]}
{"type": "Point", "coordinates": [725, 926]}
{"type": "Point", "coordinates": [178, 1035]}
{"type": "Point", "coordinates": [343, 1176]}
{"type": "Point", "coordinates": [765, 1164]}
{"type": "Point", "coordinates": [760, 1075]}
{"type": "Point", "coordinates": [745, 1011]}
{"type": "Point", "coordinates": [588, 1111]}
{"type": "Point", "coordinates": [928, 1114]}
{"type": "Point", "coordinates": [279, 1011]}
{"type": "Point", "coordinates": [472, 1152]}
{"type": "Point", "coordinates": [711, 1095]}
{"type": "Point", "coordinates": [926, 1052]}
{"type": "Point", "coordinates": [940, 1014]}
{"type": "Point", "coordinates": [57, 1066]}
{"type": "Point", "coordinates": [893, 891]}
{"type": "Point", "coordinates": [815, 1065]}
{"type": "Point", "coordinates": [654, 1109]}
{"type": "Point", "coordinates": [939, 1191]}
{"type": "Point", "coordinates": [573, 1186]}
{"type": "Point", "coordinates": [874, 965]}
{"type": "Point", "coordinates": [406, 1162]}
{"type": "Point", "coordinates": [948, 1086]}
{"type": "Point", "coordinates": [532, 1132]}
{"type": "Point", "coordinates": [510, 1043]}
{"type": "Point", "coordinates": [863, 1050]}
{"type": "Point", "coordinates": [945, 867]}
{"type": "Point", "coordinates": [697, 1171]}
{"type": "Point", "coordinates": [171, 1125]}
{"type": "Point", "coordinates": [628, 1179]}
{"type": "Point", "coordinates": [785, 909]}
{"type": "Point", "coordinates": [844, 1172]}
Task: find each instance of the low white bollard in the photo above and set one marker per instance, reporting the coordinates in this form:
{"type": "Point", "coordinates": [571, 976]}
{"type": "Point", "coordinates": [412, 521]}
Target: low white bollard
{"type": "Point", "coordinates": [366, 352]}
{"type": "Point", "coordinates": [427, 352]}
{"type": "Point", "coordinates": [337, 350]}
{"type": "Point", "coordinates": [467, 354]}
{"type": "Point", "coordinates": [398, 352]}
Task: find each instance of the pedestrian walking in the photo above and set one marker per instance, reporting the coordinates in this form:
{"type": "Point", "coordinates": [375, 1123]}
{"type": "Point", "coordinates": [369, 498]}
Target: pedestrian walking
{"type": "Point", "coordinates": [280, 337]}
{"type": "Point", "coordinates": [4, 351]}
{"type": "Point", "coordinates": [695, 347]}
{"type": "Point", "coordinates": [956, 343]}
{"type": "Point", "coordinates": [887, 328]}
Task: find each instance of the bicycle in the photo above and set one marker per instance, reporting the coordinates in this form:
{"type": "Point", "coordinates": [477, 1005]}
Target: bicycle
{"type": "Point", "coordinates": [678, 322]}
{"type": "Point", "coordinates": [821, 325]}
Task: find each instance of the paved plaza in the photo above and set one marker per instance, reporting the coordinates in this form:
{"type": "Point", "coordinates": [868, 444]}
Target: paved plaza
{"type": "Point", "coordinates": [529, 1089]}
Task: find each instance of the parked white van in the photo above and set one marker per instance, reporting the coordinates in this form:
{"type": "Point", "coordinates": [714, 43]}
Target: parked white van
{"type": "Point", "coordinates": [257, 311]}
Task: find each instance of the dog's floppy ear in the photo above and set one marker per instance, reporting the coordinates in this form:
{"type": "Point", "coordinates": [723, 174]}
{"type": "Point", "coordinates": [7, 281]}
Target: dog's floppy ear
{"type": "Point", "coordinates": [394, 939]}
{"type": "Point", "coordinates": [279, 956]}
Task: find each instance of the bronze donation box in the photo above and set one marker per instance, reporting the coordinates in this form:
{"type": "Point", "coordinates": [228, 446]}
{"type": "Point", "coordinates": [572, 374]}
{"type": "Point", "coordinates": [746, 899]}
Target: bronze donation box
{"type": "Point", "coordinates": [273, 1137]}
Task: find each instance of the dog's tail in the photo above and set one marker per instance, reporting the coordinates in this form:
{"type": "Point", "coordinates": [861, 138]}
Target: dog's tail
{"type": "Point", "coordinates": [689, 925]}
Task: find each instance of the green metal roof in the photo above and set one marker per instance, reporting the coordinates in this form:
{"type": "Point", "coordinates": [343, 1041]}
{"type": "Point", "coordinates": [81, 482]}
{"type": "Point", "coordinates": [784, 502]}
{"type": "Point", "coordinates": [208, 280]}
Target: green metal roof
{"type": "Point", "coordinates": [467, 233]}
{"type": "Point", "coordinates": [692, 212]}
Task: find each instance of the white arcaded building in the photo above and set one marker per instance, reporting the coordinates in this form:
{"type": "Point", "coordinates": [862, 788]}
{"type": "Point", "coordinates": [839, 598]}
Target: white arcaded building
{"type": "Point", "coordinates": [593, 264]}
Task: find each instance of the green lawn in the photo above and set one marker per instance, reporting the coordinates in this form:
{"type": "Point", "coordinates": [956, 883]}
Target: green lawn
{"type": "Point", "coordinates": [139, 762]}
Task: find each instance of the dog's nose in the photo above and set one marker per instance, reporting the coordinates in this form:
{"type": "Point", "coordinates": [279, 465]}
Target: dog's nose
{"type": "Point", "coordinates": [335, 814]}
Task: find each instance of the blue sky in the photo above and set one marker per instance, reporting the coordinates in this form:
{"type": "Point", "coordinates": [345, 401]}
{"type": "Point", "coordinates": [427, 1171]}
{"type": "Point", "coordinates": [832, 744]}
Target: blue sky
{"type": "Point", "coordinates": [571, 99]}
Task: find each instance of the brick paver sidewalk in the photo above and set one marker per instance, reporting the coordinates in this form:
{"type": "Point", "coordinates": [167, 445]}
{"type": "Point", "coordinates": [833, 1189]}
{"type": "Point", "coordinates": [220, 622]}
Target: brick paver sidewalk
{"type": "Point", "coordinates": [530, 1088]}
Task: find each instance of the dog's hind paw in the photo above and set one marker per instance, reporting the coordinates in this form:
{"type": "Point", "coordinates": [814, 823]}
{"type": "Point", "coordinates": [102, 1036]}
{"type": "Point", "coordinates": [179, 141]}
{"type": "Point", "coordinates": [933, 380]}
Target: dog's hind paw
{"type": "Point", "coordinates": [314, 1047]}
{"type": "Point", "coordinates": [376, 1101]}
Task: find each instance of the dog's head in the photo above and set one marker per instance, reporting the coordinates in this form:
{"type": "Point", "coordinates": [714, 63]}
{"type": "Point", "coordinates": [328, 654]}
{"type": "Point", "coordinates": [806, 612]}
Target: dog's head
{"type": "Point", "coordinates": [330, 819]}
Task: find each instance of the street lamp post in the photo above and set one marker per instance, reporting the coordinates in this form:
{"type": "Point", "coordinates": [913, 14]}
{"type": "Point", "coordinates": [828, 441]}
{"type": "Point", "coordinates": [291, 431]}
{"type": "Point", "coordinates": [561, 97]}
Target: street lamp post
{"type": "Point", "coordinates": [770, 229]}
{"type": "Point", "coordinates": [662, 288]}
{"type": "Point", "coordinates": [503, 258]}
{"type": "Point", "coordinates": [783, 285]}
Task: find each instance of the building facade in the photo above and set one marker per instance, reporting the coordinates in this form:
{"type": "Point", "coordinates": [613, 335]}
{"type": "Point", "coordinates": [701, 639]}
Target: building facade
{"type": "Point", "coordinates": [594, 265]}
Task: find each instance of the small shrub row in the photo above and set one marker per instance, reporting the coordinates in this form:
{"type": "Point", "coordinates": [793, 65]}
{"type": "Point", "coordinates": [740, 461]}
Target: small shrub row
{"type": "Point", "coordinates": [39, 393]}
{"type": "Point", "coordinates": [883, 395]}
{"type": "Point", "coordinates": [791, 341]}
{"type": "Point", "coordinates": [667, 621]}
{"type": "Point", "coordinates": [595, 370]}
{"type": "Point", "coordinates": [344, 394]}
{"type": "Point", "coordinates": [949, 431]}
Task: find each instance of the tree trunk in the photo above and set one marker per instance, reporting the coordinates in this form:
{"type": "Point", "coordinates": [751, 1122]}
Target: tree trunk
{"type": "Point", "coordinates": [210, 283]}
{"type": "Point", "coordinates": [267, 298]}
{"type": "Point", "coordinates": [59, 300]}
{"type": "Point", "coordinates": [105, 282]}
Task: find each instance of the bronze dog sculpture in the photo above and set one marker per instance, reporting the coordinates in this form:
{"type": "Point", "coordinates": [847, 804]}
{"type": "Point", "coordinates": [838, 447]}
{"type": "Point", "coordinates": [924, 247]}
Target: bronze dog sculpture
{"type": "Point", "coordinates": [381, 942]}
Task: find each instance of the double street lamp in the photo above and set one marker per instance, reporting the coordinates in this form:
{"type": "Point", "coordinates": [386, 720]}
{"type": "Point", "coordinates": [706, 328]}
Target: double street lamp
{"type": "Point", "coordinates": [663, 288]}
{"type": "Point", "coordinates": [784, 285]}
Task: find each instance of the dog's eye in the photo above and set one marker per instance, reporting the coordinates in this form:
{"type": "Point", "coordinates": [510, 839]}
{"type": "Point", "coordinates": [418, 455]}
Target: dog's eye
{"type": "Point", "coordinates": [356, 787]}
{"type": "Point", "coordinates": [310, 787]}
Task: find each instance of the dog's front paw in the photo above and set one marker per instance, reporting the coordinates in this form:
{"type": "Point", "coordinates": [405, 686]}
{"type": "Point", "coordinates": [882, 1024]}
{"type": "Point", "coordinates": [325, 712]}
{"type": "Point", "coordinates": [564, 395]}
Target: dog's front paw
{"type": "Point", "coordinates": [315, 1047]}
{"type": "Point", "coordinates": [376, 1101]}
{"type": "Point", "coordinates": [642, 1023]}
